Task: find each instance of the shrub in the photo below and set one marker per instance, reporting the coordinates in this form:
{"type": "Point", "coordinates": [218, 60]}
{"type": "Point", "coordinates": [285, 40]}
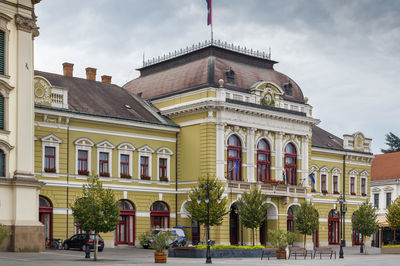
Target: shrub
{"type": "Point", "coordinates": [220, 247]}
{"type": "Point", "coordinates": [4, 232]}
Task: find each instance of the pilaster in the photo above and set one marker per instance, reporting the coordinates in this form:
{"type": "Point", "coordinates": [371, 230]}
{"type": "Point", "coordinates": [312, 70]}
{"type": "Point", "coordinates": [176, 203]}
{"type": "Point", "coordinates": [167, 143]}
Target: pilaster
{"type": "Point", "coordinates": [250, 154]}
{"type": "Point", "coordinates": [220, 160]}
{"type": "Point", "coordinates": [278, 155]}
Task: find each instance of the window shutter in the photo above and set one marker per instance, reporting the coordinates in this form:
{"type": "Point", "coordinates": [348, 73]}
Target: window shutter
{"type": "Point", "coordinates": [2, 51]}
{"type": "Point", "coordinates": [1, 112]}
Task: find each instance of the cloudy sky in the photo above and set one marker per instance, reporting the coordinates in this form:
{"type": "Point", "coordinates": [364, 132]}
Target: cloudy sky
{"type": "Point", "coordinates": [344, 54]}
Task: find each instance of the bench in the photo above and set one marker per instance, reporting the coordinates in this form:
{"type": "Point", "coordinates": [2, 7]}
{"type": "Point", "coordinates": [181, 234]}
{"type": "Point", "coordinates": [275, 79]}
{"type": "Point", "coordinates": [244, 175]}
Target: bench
{"type": "Point", "coordinates": [299, 251]}
{"type": "Point", "coordinates": [269, 252]}
{"type": "Point", "coordinates": [324, 251]}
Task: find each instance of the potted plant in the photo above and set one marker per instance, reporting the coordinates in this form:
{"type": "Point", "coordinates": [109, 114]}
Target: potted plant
{"type": "Point", "coordinates": [160, 244]}
{"type": "Point", "coordinates": [145, 239]}
{"type": "Point", "coordinates": [280, 239]}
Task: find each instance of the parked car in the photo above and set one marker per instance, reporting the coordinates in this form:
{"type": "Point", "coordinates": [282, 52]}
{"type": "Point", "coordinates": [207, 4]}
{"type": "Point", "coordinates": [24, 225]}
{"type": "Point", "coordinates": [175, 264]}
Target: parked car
{"type": "Point", "coordinates": [81, 240]}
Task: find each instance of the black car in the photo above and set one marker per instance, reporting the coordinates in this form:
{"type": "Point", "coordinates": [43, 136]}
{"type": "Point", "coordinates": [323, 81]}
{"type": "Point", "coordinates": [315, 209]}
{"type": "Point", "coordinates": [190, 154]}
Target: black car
{"type": "Point", "coordinates": [81, 240]}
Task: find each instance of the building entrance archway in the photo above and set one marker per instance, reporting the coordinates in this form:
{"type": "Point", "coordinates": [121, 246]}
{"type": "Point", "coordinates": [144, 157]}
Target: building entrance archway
{"type": "Point", "coordinates": [46, 216]}
{"type": "Point", "coordinates": [234, 225]}
{"type": "Point", "coordinates": [125, 231]}
{"type": "Point", "coordinates": [333, 227]}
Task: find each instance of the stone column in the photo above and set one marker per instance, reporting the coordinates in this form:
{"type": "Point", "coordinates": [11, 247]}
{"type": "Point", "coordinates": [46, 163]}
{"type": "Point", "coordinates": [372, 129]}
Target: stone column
{"type": "Point", "coordinates": [220, 150]}
{"type": "Point", "coordinates": [250, 154]}
{"type": "Point", "coordinates": [278, 155]}
{"type": "Point", "coordinates": [305, 160]}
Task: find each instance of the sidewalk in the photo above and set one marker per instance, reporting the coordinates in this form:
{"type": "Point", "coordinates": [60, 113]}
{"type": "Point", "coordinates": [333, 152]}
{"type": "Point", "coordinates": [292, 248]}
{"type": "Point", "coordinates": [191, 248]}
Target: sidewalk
{"type": "Point", "coordinates": [137, 256]}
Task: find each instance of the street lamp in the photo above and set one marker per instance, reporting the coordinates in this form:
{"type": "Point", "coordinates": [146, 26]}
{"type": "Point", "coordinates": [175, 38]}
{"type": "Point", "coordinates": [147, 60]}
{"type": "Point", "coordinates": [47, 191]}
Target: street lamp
{"type": "Point", "coordinates": [343, 210]}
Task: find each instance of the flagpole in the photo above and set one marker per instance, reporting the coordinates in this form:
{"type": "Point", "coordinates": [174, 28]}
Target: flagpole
{"type": "Point", "coordinates": [212, 37]}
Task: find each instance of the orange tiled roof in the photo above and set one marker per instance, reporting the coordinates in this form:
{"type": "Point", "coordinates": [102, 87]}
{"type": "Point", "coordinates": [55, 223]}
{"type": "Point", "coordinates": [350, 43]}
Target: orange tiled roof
{"type": "Point", "coordinates": [386, 166]}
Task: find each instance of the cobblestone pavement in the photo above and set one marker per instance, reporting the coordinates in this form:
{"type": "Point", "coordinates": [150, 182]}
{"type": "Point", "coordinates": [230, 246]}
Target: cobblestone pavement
{"type": "Point", "coordinates": [136, 256]}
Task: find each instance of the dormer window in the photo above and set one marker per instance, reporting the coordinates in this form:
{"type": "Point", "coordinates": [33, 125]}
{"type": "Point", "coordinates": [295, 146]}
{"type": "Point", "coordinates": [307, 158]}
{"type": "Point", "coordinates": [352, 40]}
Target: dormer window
{"type": "Point", "coordinates": [230, 76]}
{"type": "Point", "coordinates": [288, 88]}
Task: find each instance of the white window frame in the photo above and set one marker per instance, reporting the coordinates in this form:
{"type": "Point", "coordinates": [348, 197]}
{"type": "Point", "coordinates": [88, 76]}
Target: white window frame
{"type": "Point", "coordinates": [145, 150]}
{"type": "Point", "coordinates": [324, 171]}
{"type": "Point", "coordinates": [83, 144]}
{"type": "Point", "coordinates": [125, 149]}
{"type": "Point", "coordinates": [353, 173]}
{"type": "Point", "coordinates": [364, 175]}
{"type": "Point", "coordinates": [105, 146]}
{"type": "Point", "coordinates": [51, 141]}
{"type": "Point", "coordinates": [164, 153]}
{"type": "Point", "coordinates": [336, 172]}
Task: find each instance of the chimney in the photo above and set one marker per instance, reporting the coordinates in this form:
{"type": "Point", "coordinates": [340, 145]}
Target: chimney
{"type": "Point", "coordinates": [68, 69]}
{"type": "Point", "coordinates": [91, 73]}
{"type": "Point", "coordinates": [106, 79]}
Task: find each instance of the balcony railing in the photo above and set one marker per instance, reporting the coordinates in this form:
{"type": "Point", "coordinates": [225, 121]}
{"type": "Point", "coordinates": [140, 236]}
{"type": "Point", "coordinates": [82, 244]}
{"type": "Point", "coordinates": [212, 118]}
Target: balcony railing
{"type": "Point", "coordinates": [277, 190]}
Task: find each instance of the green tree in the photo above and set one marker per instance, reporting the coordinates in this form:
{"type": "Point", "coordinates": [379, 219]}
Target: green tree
{"type": "Point", "coordinates": [252, 210]}
{"type": "Point", "coordinates": [198, 211]}
{"type": "Point", "coordinates": [306, 219]}
{"type": "Point", "coordinates": [364, 221]}
{"type": "Point", "coordinates": [393, 142]}
{"type": "Point", "coordinates": [97, 210]}
{"type": "Point", "coordinates": [393, 214]}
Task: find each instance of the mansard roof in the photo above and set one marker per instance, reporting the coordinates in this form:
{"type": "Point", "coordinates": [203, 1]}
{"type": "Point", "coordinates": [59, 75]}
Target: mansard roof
{"type": "Point", "coordinates": [204, 65]}
{"type": "Point", "coordinates": [386, 166]}
{"type": "Point", "coordinates": [323, 139]}
{"type": "Point", "coordinates": [104, 99]}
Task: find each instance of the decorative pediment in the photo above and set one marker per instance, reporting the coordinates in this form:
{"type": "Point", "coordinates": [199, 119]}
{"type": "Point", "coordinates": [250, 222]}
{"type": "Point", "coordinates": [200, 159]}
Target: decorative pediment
{"type": "Point", "coordinates": [42, 90]}
{"type": "Point", "coordinates": [268, 91]}
{"type": "Point", "coordinates": [314, 168]}
{"type": "Point", "coordinates": [353, 172]}
{"type": "Point", "coordinates": [146, 148]}
{"type": "Point", "coordinates": [51, 138]}
{"type": "Point", "coordinates": [388, 188]}
{"type": "Point", "coordinates": [84, 142]}
{"type": "Point", "coordinates": [336, 171]}
{"type": "Point", "coordinates": [105, 144]}
{"type": "Point", "coordinates": [164, 150]}
{"type": "Point", "coordinates": [364, 173]}
{"type": "Point", "coordinates": [375, 189]}
{"type": "Point", "coordinates": [324, 169]}
{"type": "Point", "coordinates": [126, 146]}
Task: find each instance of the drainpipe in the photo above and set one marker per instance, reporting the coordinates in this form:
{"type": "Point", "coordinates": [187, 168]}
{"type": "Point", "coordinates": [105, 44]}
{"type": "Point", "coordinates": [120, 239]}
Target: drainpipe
{"type": "Point", "coordinates": [67, 122]}
{"type": "Point", "coordinates": [176, 179]}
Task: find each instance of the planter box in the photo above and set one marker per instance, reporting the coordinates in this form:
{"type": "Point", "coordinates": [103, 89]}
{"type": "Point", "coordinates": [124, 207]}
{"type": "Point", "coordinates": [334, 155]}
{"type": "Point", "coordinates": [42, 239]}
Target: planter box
{"type": "Point", "coordinates": [390, 250]}
{"type": "Point", "coordinates": [187, 252]}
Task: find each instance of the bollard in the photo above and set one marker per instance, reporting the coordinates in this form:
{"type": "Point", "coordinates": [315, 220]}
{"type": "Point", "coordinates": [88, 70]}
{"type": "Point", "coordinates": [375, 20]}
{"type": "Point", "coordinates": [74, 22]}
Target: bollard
{"type": "Point", "coordinates": [87, 252]}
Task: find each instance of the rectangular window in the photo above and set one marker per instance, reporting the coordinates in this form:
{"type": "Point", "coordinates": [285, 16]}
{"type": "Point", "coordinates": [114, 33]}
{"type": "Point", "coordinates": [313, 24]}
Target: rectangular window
{"type": "Point", "coordinates": [50, 159]}
{"type": "Point", "coordinates": [144, 167]}
{"type": "Point", "coordinates": [163, 169]}
{"type": "Point", "coordinates": [124, 167]}
{"type": "Point", "coordinates": [376, 200]}
{"type": "Point", "coordinates": [323, 184]}
{"type": "Point", "coordinates": [388, 199]}
{"type": "Point", "coordinates": [1, 112]}
{"type": "Point", "coordinates": [103, 164]}
{"type": "Point", "coordinates": [83, 162]}
{"type": "Point", "coordinates": [335, 185]}
{"type": "Point", "coordinates": [2, 53]}
{"type": "Point", "coordinates": [352, 183]}
{"type": "Point", "coordinates": [363, 191]}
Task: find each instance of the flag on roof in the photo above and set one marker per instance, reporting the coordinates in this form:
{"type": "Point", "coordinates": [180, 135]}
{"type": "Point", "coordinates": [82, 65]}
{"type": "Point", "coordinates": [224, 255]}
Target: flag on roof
{"type": "Point", "coordinates": [209, 12]}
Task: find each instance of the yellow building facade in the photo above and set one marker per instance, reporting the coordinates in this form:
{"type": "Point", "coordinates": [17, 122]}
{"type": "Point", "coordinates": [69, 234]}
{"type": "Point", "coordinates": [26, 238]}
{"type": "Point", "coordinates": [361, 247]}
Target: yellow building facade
{"type": "Point", "coordinates": [212, 110]}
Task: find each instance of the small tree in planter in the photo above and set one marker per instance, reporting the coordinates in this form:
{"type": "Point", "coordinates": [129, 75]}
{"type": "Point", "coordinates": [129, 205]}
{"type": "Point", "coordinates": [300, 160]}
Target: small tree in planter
{"type": "Point", "coordinates": [306, 220]}
{"type": "Point", "coordinates": [364, 222]}
{"type": "Point", "coordinates": [280, 239]}
{"type": "Point", "coordinates": [145, 239]}
{"type": "Point", "coordinates": [160, 244]}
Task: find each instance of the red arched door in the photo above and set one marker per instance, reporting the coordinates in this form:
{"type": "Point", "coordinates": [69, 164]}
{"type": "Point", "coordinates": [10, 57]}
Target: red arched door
{"type": "Point", "coordinates": [159, 214]}
{"type": "Point", "coordinates": [46, 216]}
{"type": "Point", "coordinates": [125, 231]}
{"type": "Point", "coordinates": [333, 227]}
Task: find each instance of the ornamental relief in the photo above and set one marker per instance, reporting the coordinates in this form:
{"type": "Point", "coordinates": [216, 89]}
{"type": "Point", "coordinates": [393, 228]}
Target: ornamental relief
{"type": "Point", "coordinates": [26, 24]}
{"type": "Point", "coordinates": [42, 90]}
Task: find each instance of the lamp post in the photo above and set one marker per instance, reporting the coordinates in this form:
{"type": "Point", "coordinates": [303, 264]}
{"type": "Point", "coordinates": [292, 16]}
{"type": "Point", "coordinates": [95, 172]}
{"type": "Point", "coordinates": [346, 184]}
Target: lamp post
{"type": "Point", "coordinates": [343, 210]}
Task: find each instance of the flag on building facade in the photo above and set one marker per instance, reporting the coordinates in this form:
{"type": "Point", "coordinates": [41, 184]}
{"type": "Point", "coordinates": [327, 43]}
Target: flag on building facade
{"type": "Point", "coordinates": [284, 177]}
{"type": "Point", "coordinates": [312, 177]}
{"type": "Point", "coordinates": [236, 168]}
{"type": "Point", "coordinates": [209, 12]}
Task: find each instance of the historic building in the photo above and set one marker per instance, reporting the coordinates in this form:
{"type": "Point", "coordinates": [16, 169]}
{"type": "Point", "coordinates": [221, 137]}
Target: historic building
{"type": "Point", "coordinates": [385, 188]}
{"type": "Point", "coordinates": [19, 188]}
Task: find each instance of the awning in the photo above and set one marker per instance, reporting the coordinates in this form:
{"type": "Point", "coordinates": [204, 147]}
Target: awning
{"type": "Point", "coordinates": [382, 222]}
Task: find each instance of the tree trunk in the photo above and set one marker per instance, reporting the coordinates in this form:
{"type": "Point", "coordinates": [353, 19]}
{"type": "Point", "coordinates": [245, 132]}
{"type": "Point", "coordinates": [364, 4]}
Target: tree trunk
{"type": "Point", "coordinates": [304, 241]}
{"type": "Point", "coordinates": [253, 235]}
{"type": "Point", "coordinates": [205, 235]}
{"type": "Point", "coordinates": [96, 246]}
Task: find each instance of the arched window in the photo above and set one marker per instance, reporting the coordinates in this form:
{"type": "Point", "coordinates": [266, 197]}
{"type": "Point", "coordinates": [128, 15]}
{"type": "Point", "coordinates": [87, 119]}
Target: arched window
{"type": "Point", "coordinates": [290, 164]}
{"type": "Point", "coordinates": [263, 161]}
{"type": "Point", "coordinates": [2, 163]}
{"type": "Point", "coordinates": [46, 216]}
{"type": "Point", "coordinates": [234, 158]}
{"type": "Point", "coordinates": [333, 227]}
{"type": "Point", "coordinates": [290, 219]}
{"type": "Point", "coordinates": [125, 231]}
{"type": "Point", "coordinates": [159, 214]}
